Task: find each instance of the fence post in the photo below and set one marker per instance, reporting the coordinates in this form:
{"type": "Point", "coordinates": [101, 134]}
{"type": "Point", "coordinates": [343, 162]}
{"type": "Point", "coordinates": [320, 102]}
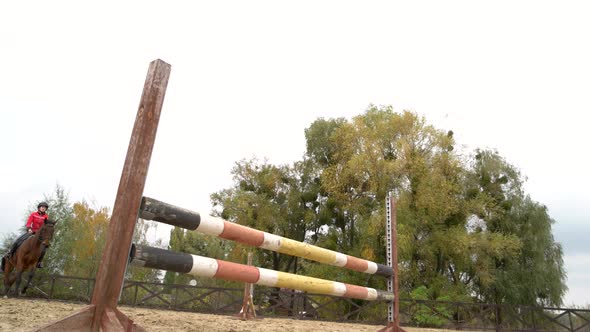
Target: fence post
{"type": "Point", "coordinates": [51, 289]}
{"type": "Point", "coordinates": [174, 295]}
{"type": "Point", "coordinates": [135, 295]}
{"type": "Point", "coordinates": [88, 289]}
{"type": "Point", "coordinates": [458, 320]}
{"type": "Point", "coordinates": [498, 318]}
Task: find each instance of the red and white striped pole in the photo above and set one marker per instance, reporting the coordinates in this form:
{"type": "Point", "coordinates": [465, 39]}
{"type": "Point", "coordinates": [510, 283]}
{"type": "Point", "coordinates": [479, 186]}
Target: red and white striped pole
{"type": "Point", "coordinates": [201, 266]}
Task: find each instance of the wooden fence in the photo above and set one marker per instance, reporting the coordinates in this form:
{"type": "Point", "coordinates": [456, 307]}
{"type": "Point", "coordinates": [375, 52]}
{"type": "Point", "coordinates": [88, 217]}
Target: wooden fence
{"type": "Point", "coordinates": [301, 305]}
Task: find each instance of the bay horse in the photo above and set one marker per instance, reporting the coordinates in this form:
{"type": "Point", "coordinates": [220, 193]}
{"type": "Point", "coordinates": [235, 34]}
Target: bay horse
{"type": "Point", "coordinates": [26, 257]}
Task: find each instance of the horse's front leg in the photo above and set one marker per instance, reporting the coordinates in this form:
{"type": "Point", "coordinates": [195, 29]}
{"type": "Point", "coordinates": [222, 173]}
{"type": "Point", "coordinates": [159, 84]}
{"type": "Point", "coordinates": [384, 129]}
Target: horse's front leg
{"type": "Point", "coordinates": [31, 274]}
{"type": "Point", "coordinates": [6, 283]}
{"type": "Point", "coordinates": [19, 273]}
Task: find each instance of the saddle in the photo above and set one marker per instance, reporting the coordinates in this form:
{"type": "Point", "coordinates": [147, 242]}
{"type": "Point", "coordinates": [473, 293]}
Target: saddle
{"type": "Point", "coordinates": [18, 243]}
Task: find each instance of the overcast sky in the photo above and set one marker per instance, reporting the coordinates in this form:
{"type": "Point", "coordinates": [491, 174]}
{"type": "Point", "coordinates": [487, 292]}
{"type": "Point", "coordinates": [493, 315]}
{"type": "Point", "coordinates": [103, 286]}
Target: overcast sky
{"type": "Point", "coordinates": [249, 76]}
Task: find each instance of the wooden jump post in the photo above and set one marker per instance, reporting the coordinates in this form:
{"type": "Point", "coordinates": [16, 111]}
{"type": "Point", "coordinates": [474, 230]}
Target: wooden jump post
{"type": "Point", "coordinates": [392, 282]}
{"type": "Point", "coordinates": [248, 310]}
{"type": "Point", "coordinates": [102, 313]}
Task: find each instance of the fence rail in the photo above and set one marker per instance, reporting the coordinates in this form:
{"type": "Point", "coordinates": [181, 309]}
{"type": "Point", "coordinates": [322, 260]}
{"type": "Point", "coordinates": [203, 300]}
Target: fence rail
{"type": "Point", "coordinates": [301, 305]}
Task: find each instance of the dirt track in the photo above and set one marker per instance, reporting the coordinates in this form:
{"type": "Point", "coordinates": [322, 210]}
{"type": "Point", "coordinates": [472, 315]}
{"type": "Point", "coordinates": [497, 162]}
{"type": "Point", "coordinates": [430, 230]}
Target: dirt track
{"type": "Point", "coordinates": [26, 315]}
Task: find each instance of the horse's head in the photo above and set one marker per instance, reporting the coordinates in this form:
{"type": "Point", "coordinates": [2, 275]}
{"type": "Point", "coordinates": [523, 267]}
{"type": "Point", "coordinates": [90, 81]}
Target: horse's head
{"type": "Point", "coordinates": [46, 231]}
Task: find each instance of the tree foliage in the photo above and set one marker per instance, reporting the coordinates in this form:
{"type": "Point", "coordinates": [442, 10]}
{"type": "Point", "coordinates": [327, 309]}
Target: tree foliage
{"type": "Point", "coordinates": [466, 229]}
{"type": "Point", "coordinates": [534, 273]}
{"type": "Point", "coordinates": [280, 200]}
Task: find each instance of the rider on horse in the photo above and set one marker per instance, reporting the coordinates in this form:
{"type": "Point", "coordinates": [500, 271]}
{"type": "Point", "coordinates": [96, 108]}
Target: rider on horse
{"type": "Point", "coordinates": [35, 221]}
{"type": "Point", "coordinates": [27, 252]}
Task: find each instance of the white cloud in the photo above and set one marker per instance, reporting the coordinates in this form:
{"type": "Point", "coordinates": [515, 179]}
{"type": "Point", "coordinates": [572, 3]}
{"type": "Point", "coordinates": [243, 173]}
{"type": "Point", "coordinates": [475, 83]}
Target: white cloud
{"type": "Point", "coordinates": [578, 275]}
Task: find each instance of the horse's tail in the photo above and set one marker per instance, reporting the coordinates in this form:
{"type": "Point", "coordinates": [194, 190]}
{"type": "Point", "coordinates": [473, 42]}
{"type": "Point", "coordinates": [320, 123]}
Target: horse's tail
{"type": "Point", "coordinates": [7, 259]}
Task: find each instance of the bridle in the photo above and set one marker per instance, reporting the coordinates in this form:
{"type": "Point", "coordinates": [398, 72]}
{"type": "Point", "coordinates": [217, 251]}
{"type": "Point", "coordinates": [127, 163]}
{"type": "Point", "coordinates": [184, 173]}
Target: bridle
{"type": "Point", "coordinates": [42, 231]}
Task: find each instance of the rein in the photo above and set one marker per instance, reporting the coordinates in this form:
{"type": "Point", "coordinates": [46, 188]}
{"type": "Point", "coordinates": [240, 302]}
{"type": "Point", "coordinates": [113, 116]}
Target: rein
{"type": "Point", "coordinates": [40, 238]}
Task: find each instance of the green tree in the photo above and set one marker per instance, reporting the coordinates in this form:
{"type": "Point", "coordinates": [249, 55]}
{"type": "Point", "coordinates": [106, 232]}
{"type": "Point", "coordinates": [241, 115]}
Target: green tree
{"type": "Point", "coordinates": [533, 275]}
{"type": "Point", "coordinates": [377, 152]}
{"type": "Point", "coordinates": [465, 226]}
{"type": "Point", "coordinates": [321, 146]}
{"type": "Point", "coordinates": [6, 242]}
{"type": "Point", "coordinates": [280, 200]}
{"type": "Point", "coordinates": [61, 211]}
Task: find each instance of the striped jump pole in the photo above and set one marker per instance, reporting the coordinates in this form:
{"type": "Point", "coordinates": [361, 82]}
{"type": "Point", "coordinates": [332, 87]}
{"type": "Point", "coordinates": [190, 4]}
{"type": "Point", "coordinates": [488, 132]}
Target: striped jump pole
{"type": "Point", "coordinates": [152, 209]}
{"type": "Point", "coordinates": [162, 259]}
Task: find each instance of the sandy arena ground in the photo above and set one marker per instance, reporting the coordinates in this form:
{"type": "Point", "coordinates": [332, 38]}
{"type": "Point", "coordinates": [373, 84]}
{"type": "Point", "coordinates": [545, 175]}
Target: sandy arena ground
{"type": "Point", "coordinates": [26, 315]}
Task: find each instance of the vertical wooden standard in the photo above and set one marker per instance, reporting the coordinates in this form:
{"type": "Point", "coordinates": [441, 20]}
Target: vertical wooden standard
{"type": "Point", "coordinates": [392, 283]}
{"type": "Point", "coordinates": [102, 313]}
{"type": "Point", "coordinates": [248, 311]}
